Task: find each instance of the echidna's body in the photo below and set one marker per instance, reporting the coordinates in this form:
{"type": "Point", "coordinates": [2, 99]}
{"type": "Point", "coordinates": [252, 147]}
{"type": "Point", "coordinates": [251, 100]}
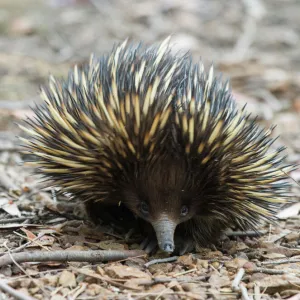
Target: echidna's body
{"type": "Point", "coordinates": [154, 132]}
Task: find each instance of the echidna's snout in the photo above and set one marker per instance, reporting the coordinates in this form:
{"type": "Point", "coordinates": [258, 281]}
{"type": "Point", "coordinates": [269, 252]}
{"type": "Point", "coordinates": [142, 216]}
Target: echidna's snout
{"type": "Point", "coordinates": [165, 228]}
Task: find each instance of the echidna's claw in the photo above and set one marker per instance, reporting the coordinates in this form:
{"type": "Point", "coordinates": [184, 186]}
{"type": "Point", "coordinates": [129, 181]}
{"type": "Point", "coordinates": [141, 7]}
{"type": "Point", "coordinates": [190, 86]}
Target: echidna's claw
{"type": "Point", "coordinates": [186, 247]}
{"type": "Point", "coordinates": [149, 245]}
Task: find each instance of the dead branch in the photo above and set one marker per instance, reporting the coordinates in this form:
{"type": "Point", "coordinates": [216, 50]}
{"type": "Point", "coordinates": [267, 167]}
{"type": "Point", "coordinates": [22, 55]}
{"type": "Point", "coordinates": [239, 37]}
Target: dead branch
{"type": "Point", "coordinates": [244, 292]}
{"type": "Point", "coordinates": [16, 295]}
{"type": "Point", "coordinates": [161, 260]}
{"type": "Point", "coordinates": [281, 261]}
{"type": "Point", "coordinates": [238, 277]}
{"type": "Point", "coordinates": [66, 256]}
{"type": "Point", "coordinates": [268, 271]}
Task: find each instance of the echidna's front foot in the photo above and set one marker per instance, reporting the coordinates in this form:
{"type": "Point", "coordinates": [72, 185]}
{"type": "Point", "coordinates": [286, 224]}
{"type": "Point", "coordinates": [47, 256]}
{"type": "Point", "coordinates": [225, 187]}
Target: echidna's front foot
{"type": "Point", "coordinates": [149, 245]}
{"type": "Point", "coordinates": [184, 245]}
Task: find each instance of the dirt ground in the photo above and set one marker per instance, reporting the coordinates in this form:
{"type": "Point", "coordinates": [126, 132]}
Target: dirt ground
{"type": "Point", "coordinates": [254, 43]}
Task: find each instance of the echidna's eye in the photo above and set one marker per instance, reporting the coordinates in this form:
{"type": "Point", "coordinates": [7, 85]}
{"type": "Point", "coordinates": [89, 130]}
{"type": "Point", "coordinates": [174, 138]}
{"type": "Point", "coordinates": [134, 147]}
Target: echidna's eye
{"type": "Point", "coordinates": [144, 208]}
{"type": "Point", "coordinates": [184, 211]}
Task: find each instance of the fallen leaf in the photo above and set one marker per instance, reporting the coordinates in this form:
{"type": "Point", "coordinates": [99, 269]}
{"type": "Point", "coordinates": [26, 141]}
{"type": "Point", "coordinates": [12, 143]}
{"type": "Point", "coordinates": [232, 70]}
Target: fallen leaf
{"type": "Point", "coordinates": [276, 283]}
{"type": "Point", "coordinates": [235, 263]}
{"type": "Point", "coordinates": [94, 289]}
{"type": "Point", "coordinates": [67, 279]}
{"type": "Point", "coordinates": [10, 207]}
{"type": "Point", "coordinates": [194, 288]}
{"type": "Point", "coordinates": [237, 247]}
{"type": "Point", "coordinates": [124, 272]}
{"type": "Point", "coordinates": [135, 283]}
{"type": "Point", "coordinates": [217, 280]}
{"type": "Point", "coordinates": [187, 260]}
{"type": "Point", "coordinates": [273, 255]}
{"type": "Point", "coordinates": [30, 235]}
{"type": "Point", "coordinates": [290, 211]}
{"type": "Point", "coordinates": [109, 245]}
{"type": "Point", "coordinates": [157, 288]}
{"type": "Point", "coordinates": [293, 236]}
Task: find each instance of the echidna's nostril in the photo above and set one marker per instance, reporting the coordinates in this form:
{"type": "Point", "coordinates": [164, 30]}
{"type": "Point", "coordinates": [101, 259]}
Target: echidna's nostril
{"type": "Point", "coordinates": [168, 247]}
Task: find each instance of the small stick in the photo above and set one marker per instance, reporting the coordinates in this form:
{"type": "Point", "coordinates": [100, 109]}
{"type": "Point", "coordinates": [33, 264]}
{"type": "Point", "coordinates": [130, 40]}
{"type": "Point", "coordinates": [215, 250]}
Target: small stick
{"type": "Point", "coordinates": [244, 292]}
{"type": "Point", "coordinates": [185, 295]}
{"type": "Point", "coordinates": [236, 281]}
{"type": "Point", "coordinates": [16, 295]}
{"type": "Point", "coordinates": [13, 260]}
{"type": "Point", "coordinates": [104, 279]}
{"type": "Point", "coordinates": [161, 293]}
{"type": "Point", "coordinates": [185, 272]}
{"type": "Point", "coordinates": [129, 258]}
{"type": "Point", "coordinates": [64, 256]}
{"type": "Point", "coordinates": [79, 290]}
{"type": "Point", "coordinates": [185, 279]}
{"type": "Point", "coordinates": [15, 220]}
{"type": "Point", "coordinates": [20, 267]}
{"type": "Point", "coordinates": [281, 261]}
{"type": "Point", "coordinates": [30, 241]}
{"type": "Point", "coordinates": [161, 260]}
{"type": "Point", "coordinates": [246, 233]}
{"type": "Point", "coordinates": [256, 292]}
{"type": "Point", "coordinates": [268, 271]}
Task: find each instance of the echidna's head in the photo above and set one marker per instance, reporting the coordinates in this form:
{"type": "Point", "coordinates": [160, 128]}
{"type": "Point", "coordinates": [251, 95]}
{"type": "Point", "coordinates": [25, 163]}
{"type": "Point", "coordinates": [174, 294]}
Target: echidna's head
{"type": "Point", "coordinates": [159, 194]}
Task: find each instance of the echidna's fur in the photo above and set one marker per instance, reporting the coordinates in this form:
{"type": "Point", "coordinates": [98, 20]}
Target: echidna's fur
{"type": "Point", "coordinates": [143, 126]}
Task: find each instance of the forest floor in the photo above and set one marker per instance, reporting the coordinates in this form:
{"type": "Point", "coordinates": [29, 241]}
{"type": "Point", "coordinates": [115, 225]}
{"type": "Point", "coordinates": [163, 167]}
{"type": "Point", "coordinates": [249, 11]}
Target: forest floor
{"type": "Point", "coordinates": [254, 43]}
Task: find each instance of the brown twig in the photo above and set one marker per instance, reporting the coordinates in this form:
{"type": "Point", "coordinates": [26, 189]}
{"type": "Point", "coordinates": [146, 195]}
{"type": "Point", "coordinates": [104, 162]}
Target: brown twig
{"type": "Point", "coordinates": [185, 295]}
{"type": "Point", "coordinates": [104, 279]}
{"type": "Point", "coordinates": [281, 261]}
{"type": "Point", "coordinates": [8, 253]}
{"type": "Point", "coordinates": [78, 290]}
{"type": "Point", "coordinates": [268, 271]}
{"type": "Point", "coordinates": [246, 233]}
{"type": "Point", "coordinates": [34, 241]}
{"type": "Point", "coordinates": [182, 279]}
{"type": "Point", "coordinates": [65, 256]}
{"type": "Point", "coordinates": [129, 258]}
{"type": "Point", "coordinates": [20, 267]}
{"type": "Point", "coordinates": [186, 279]}
{"type": "Point", "coordinates": [16, 295]}
{"type": "Point", "coordinates": [161, 260]}
{"type": "Point", "coordinates": [184, 272]}
{"type": "Point", "coordinates": [15, 220]}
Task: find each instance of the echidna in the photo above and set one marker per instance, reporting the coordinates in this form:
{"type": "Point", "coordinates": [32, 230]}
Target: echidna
{"type": "Point", "coordinates": [152, 131]}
